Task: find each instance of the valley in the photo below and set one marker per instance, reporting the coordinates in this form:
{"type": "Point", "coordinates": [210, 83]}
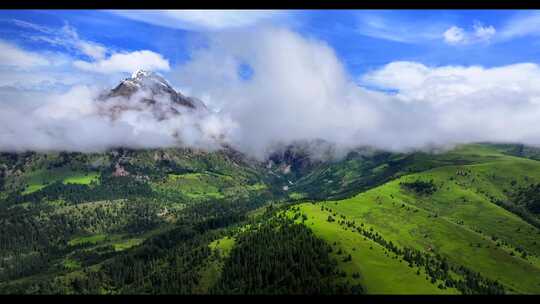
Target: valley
{"type": "Point", "coordinates": [178, 220]}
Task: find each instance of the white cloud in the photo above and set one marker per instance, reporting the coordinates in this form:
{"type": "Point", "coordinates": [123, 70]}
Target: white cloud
{"type": "Point", "coordinates": [299, 90]}
{"type": "Point", "coordinates": [457, 104]}
{"type": "Point", "coordinates": [484, 32]}
{"type": "Point", "coordinates": [73, 121]}
{"type": "Point", "coordinates": [452, 84]}
{"type": "Point", "coordinates": [397, 28]}
{"type": "Point", "coordinates": [455, 35]}
{"type": "Point", "coordinates": [200, 19]}
{"type": "Point", "coordinates": [15, 57]}
{"type": "Point", "coordinates": [413, 28]}
{"type": "Point", "coordinates": [92, 50]}
{"type": "Point", "coordinates": [126, 63]}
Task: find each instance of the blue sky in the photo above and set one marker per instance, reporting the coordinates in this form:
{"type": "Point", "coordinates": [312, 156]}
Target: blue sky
{"type": "Point", "coordinates": [363, 39]}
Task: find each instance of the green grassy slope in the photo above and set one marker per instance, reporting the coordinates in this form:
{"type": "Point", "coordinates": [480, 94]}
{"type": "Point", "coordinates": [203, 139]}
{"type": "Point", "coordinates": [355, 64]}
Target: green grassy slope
{"type": "Point", "coordinates": [379, 271]}
{"type": "Point", "coordinates": [38, 179]}
{"type": "Point", "coordinates": [364, 170]}
{"type": "Point", "coordinates": [459, 221]}
{"type": "Point", "coordinates": [204, 186]}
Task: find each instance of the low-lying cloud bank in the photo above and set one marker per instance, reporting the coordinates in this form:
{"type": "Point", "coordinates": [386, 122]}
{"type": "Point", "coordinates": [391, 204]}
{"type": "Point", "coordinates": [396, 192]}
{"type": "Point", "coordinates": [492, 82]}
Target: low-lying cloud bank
{"type": "Point", "coordinates": [79, 121]}
{"type": "Point", "coordinates": [298, 90]}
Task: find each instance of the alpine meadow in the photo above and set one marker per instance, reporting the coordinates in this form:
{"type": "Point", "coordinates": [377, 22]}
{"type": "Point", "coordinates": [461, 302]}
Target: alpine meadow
{"type": "Point", "coordinates": [271, 152]}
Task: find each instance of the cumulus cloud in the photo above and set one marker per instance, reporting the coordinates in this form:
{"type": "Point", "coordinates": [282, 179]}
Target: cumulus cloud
{"type": "Point", "coordinates": [298, 91]}
{"type": "Point", "coordinates": [465, 104]}
{"type": "Point", "coordinates": [126, 62]}
{"type": "Point", "coordinates": [455, 35]}
{"type": "Point", "coordinates": [450, 84]}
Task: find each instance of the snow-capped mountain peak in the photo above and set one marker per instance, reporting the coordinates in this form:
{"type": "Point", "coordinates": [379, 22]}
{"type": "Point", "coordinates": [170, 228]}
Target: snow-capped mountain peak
{"type": "Point", "coordinates": [149, 90]}
{"type": "Point", "coordinates": [141, 73]}
{"type": "Point", "coordinates": [142, 77]}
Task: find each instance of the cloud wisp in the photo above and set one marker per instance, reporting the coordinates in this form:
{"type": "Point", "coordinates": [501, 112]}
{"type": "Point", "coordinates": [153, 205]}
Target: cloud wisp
{"type": "Point", "coordinates": [522, 24]}
{"type": "Point", "coordinates": [385, 25]}
{"type": "Point", "coordinates": [65, 36]}
{"type": "Point", "coordinates": [202, 20]}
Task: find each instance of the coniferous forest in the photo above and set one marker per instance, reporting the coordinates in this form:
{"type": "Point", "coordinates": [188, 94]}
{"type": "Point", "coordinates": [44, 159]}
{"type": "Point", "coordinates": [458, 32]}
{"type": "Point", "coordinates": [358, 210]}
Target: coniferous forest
{"type": "Point", "coordinates": [201, 223]}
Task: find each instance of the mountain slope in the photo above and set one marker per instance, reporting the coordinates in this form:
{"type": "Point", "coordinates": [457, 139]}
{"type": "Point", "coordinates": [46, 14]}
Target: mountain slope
{"type": "Point", "coordinates": [372, 265]}
{"type": "Point", "coordinates": [64, 212]}
{"type": "Point", "coordinates": [148, 221]}
{"type": "Point", "coordinates": [458, 220]}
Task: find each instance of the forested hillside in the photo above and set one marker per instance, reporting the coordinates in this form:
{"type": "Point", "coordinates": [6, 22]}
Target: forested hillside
{"type": "Point", "coordinates": [182, 221]}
